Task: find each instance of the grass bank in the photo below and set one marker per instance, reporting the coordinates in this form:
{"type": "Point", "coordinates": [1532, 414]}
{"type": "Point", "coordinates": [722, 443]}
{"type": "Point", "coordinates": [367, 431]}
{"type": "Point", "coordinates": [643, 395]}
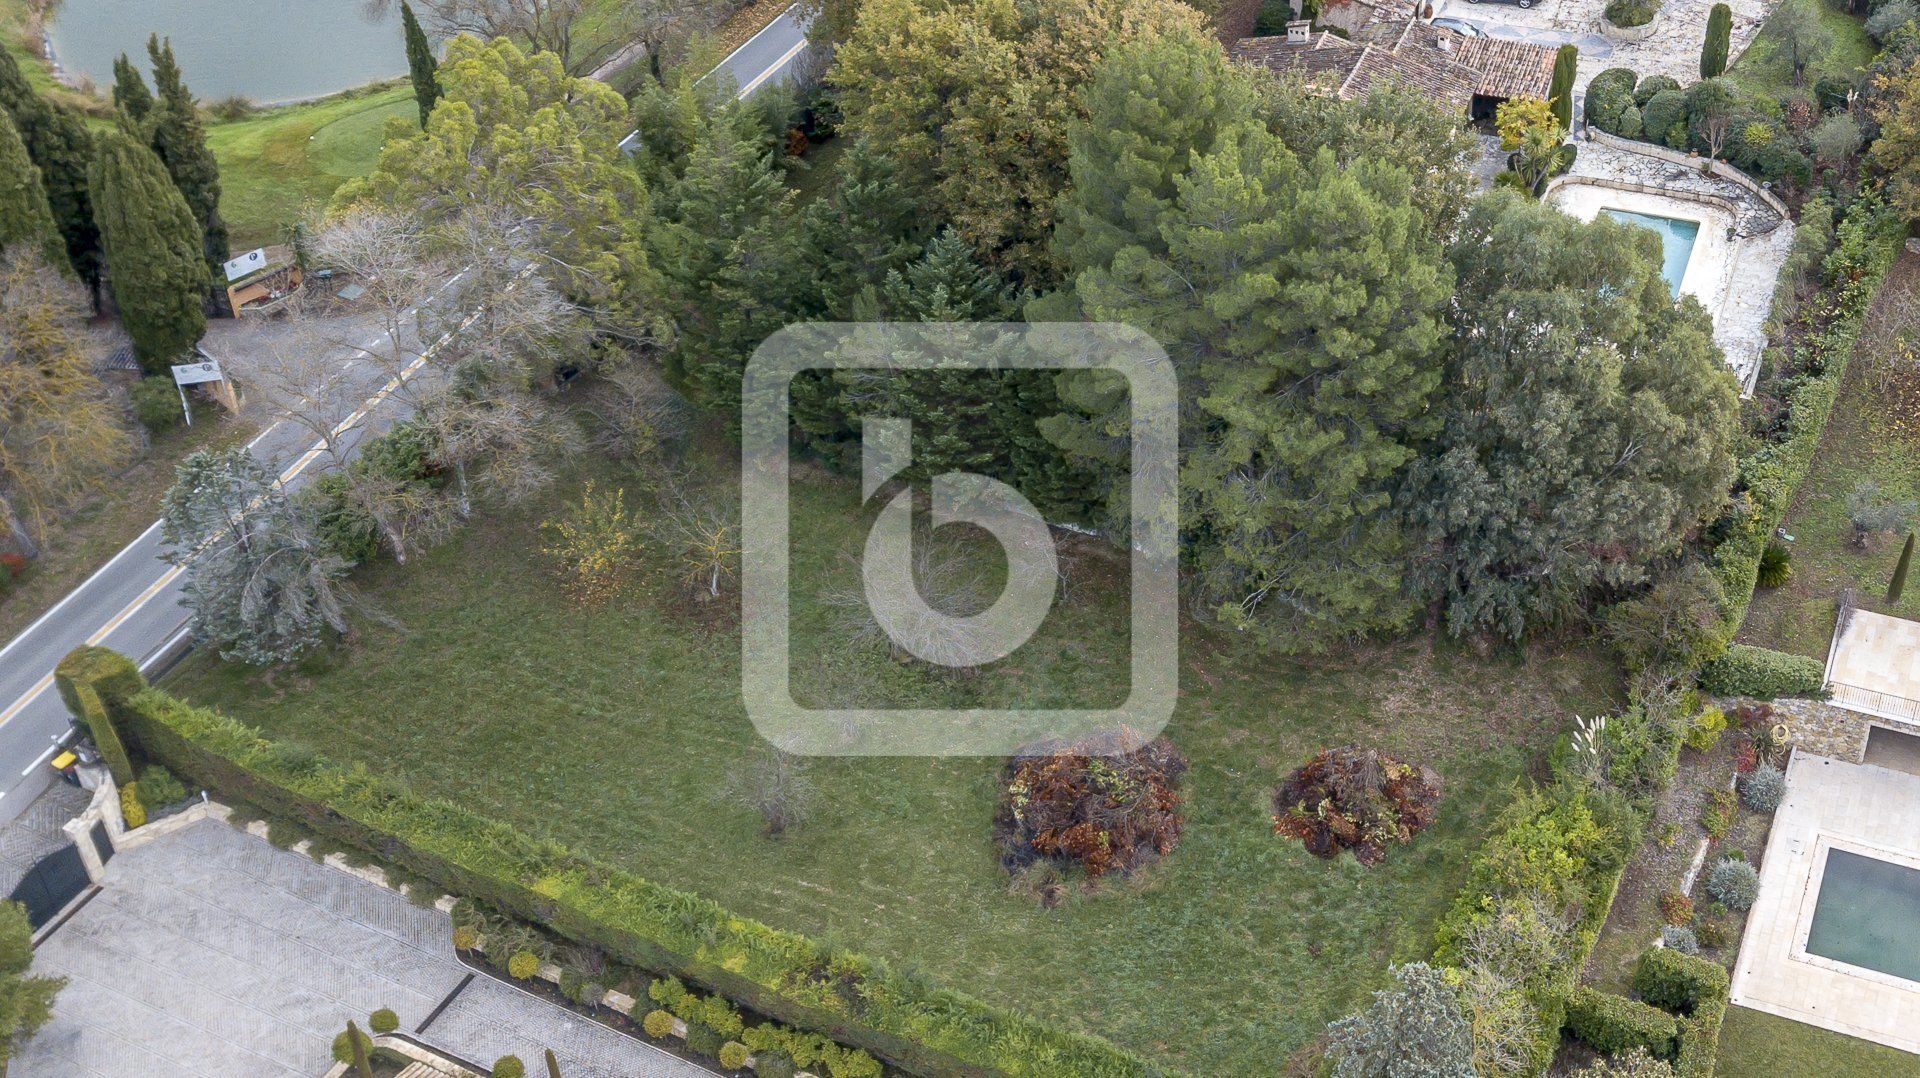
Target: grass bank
{"type": "Point", "coordinates": [280, 160]}
{"type": "Point", "coordinates": [1754, 1044]}
{"type": "Point", "coordinates": [1765, 69]}
{"type": "Point", "coordinates": [1872, 435]}
{"type": "Point", "coordinates": [619, 730]}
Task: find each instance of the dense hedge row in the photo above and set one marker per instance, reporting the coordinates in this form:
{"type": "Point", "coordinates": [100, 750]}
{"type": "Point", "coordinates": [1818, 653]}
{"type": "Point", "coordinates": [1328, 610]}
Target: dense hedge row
{"type": "Point", "coordinates": [1613, 1023]}
{"type": "Point", "coordinates": [1865, 246]}
{"type": "Point", "coordinates": [789, 977]}
{"type": "Point", "coordinates": [1685, 999]}
{"type": "Point", "coordinates": [1746, 670]}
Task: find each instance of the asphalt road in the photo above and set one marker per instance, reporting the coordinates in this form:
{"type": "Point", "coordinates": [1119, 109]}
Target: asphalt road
{"type": "Point", "coordinates": [132, 604]}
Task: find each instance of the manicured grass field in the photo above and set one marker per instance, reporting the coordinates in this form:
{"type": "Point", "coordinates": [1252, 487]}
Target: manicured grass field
{"type": "Point", "coordinates": [1764, 68]}
{"type": "Point", "coordinates": [276, 162]}
{"type": "Point", "coordinates": [620, 731]}
{"type": "Point", "coordinates": [1754, 1044]}
{"type": "Point", "coordinates": [1871, 435]}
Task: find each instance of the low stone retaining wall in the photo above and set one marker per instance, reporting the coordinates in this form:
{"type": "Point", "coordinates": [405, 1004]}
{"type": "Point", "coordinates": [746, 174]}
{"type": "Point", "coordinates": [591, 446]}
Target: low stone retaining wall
{"type": "Point", "coordinates": [1628, 35]}
{"type": "Point", "coordinates": [1569, 180]}
{"type": "Point", "coordinates": [1829, 730]}
{"type": "Point", "coordinates": [1718, 168]}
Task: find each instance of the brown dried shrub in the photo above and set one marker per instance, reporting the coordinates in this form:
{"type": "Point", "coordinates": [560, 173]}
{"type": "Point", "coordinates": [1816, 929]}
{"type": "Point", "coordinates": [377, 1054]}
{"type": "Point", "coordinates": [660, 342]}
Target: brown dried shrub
{"type": "Point", "coordinates": [1107, 803]}
{"type": "Point", "coordinates": [1350, 798]}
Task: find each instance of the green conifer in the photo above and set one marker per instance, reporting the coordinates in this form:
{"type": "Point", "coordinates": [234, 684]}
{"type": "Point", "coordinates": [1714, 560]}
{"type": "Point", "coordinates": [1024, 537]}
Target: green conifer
{"type": "Point", "coordinates": [181, 142]}
{"type": "Point", "coordinates": [422, 68]}
{"type": "Point", "coordinates": [153, 249]}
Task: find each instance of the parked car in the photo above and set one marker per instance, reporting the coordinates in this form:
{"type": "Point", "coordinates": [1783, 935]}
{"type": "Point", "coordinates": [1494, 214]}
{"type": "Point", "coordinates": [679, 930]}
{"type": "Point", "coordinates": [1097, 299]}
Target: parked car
{"type": "Point", "coordinates": [1461, 26]}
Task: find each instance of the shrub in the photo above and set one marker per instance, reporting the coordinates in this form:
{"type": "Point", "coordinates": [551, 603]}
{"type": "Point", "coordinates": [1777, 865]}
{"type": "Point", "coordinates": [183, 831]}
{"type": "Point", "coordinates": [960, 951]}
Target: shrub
{"type": "Point", "coordinates": [232, 107]}
{"type": "Point", "coordinates": [1664, 119]}
{"type": "Point", "coordinates": [1746, 757]}
{"type": "Point", "coordinates": [1705, 728]}
{"type": "Point", "coordinates": [1414, 1026]}
{"type": "Point", "coordinates": [1106, 804]}
{"type": "Point", "coordinates": [1676, 907]}
{"type": "Point", "coordinates": [1680, 938]}
{"type": "Point", "coordinates": [509, 1067]}
{"type": "Point", "coordinates": [1717, 818]}
{"type": "Point", "coordinates": [1776, 565]}
{"type": "Point", "coordinates": [733, 1055]}
{"type": "Point", "coordinates": [1762, 788]}
{"type": "Point", "coordinates": [156, 403]}
{"type": "Point", "coordinates": [1608, 95]}
{"type": "Point", "coordinates": [343, 1043]}
{"type": "Point", "coordinates": [1546, 844]}
{"type": "Point", "coordinates": [131, 810]}
{"type": "Point", "coordinates": [1630, 13]}
{"type": "Point", "coordinates": [1676, 981]}
{"type": "Point", "coordinates": [1633, 1063]}
{"type": "Point", "coordinates": [1356, 799]}
{"type": "Point", "coordinates": [1891, 16]}
{"type": "Point", "coordinates": [1733, 883]}
{"type": "Point", "coordinates": [1613, 1023]}
{"type": "Point", "coordinates": [658, 1024]}
{"type": "Point", "coordinates": [1746, 670]}
{"type": "Point", "coordinates": [1652, 85]}
{"type": "Point", "coordinates": [1632, 124]}
{"type": "Point", "coordinates": [159, 788]}
{"type": "Point", "coordinates": [1674, 626]}
{"type": "Point", "coordinates": [1710, 934]}
{"type": "Point", "coordinates": [466, 938]}
{"type": "Point", "coordinates": [771, 1064]}
{"type": "Point", "coordinates": [522, 965]}
{"type": "Point", "coordinates": [703, 1039]}
{"type": "Point", "coordinates": [1870, 512]}
{"type": "Point", "coordinates": [383, 1021]}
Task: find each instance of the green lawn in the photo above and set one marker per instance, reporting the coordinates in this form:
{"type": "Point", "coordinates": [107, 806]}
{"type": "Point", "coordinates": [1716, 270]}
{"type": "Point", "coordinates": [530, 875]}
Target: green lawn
{"type": "Point", "coordinates": [620, 731]}
{"type": "Point", "coordinates": [1764, 69]}
{"type": "Point", "coordinates": [1758, 1045]}
{"type": "Point", "coordinates": [276, 162]}
{"type": "Point", "coordinates": [1870, 436]}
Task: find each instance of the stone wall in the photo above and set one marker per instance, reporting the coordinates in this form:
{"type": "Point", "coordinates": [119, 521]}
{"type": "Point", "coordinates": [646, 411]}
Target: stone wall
{"type": "Point", "coordinates": [1718, 168]}
{"type": "Point", "coordinates": [1825, 729]}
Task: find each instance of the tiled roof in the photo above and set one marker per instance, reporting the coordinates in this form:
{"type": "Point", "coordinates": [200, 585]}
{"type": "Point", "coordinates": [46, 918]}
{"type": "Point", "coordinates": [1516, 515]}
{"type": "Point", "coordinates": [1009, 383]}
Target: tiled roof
{"type": "Point", "coordinates": [1447, 65]}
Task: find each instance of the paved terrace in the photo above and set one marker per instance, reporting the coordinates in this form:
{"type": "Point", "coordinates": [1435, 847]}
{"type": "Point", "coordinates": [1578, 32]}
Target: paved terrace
{"type": "Point", "coordinates": [210, 952]}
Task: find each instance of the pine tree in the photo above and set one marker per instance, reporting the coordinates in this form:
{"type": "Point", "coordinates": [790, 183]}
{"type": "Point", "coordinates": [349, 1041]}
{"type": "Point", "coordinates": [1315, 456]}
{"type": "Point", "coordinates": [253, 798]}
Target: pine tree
{"type": "Point", "coordinates": [152, 245]}
{"type": "Point", "coordinates": [1713, 51]}
{"type": "Point", "coordinates": [130, 93]}
{"type": "Point", "coordinates": [1566, 63]}
{"type": "Point", "coordinates": [181, 142]}
{"type": "Point", "coordinates": [1899, 583]}
{"type": "Point", "coordinates": [25, 1002]}
{"type": "Point", "coordinates": [25, 217]}
{"type": "Point", "coordinates": [866, 227]}
{"type": "Point", "coordinates": [728, 248]}
{"type": "Point", "coordinates": [422, 68]}
{"type": "Point", "coordinates": [57, 140]}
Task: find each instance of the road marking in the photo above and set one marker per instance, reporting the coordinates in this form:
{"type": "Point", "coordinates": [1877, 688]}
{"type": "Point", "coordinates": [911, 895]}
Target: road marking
{"type": "Point", "coordinates": [406, 374]}
{"type": "Point", "coordinates": [35, 765]}
{"type": "Point", "coordinates": [776, 68]}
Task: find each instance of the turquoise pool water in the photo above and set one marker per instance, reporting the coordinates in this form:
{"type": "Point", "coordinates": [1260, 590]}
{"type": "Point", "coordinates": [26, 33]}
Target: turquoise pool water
{"type": "Point", "coordinates": [1868, 914]}
{"type": "Point", "coordinates": [1676, 242]}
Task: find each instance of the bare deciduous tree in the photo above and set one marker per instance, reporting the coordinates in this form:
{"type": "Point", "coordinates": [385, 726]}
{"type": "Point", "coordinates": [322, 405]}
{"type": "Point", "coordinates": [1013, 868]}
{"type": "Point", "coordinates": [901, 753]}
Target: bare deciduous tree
{"type": "Point", "coordinates": [587, 35]}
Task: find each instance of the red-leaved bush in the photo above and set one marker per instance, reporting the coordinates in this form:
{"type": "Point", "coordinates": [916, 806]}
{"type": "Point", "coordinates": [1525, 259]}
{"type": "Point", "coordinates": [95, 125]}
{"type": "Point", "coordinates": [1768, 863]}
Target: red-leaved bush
{"type": "Point", "coordinates": [1356, 799]}
{"type": "Point", "coordinates": [1107, 803]}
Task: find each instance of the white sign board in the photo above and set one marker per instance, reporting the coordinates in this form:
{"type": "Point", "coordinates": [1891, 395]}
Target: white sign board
{"type": "Point", "coordinates": [189, 374]}
{"type": "Point", "coordinates": [251, 262]}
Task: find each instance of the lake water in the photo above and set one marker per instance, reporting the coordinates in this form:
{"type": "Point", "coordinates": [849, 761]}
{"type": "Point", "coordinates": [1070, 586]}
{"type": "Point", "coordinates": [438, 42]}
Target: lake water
{"type": "Point", "coordinates": [266, 50]}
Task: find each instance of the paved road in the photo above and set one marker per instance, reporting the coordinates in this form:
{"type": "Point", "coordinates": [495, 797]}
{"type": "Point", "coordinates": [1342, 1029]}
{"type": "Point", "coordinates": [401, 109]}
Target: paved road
{"type": "Point", "coordinates": [208, 952]}
{"type": "Point", "coordinates": [133, 603]}
{"type": "Point", "coordinates": [769, 56]}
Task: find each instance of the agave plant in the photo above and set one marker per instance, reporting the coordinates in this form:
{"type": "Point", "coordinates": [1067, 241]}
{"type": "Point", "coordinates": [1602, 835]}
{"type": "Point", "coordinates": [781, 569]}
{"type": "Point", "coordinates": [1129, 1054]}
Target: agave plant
{"type": "Point", "coordinates": [1776, 565]}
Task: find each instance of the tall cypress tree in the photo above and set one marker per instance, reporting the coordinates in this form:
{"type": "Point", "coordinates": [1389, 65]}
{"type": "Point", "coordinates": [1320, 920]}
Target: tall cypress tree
{"type": "Point", "coordinates": [422, 68]}
{"type": "Point", "coordinates": [57, 140]}
{"type": "Point", "coordinates": [25, 217]}
{"type": "Point", "coordinates": [182, 145]}
{"type": "Point", "coordinates": [1560, 91]}
{"type": "Point", "coordinates": [130, 93]}
{"type": "Point", "coordinates": [1713, 52]}
{"type": "Point", "coordinates": [153, 248]}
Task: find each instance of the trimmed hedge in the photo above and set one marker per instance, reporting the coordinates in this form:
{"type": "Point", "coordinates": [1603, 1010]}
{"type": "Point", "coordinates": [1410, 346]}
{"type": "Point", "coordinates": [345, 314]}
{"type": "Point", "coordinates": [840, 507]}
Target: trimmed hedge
{"type": "Point", "coordinates": [1866, 244]}
{"type": "Point", "coordinates": [1613, 1023]}
{"type": "Point", "coordinates": [1677, 982]}
{"type": "Point", "coordinates": [1746, 670]}
{"type": "Point", "coordinates": [784, 975]}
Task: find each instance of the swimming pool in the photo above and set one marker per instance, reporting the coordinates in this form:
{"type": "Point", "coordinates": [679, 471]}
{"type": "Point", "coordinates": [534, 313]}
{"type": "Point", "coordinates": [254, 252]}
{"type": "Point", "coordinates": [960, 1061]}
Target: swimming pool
{"type": "Point", "coordinates": [1868, 914]}
{"type": "Point", "coordinates": [1676, 241]}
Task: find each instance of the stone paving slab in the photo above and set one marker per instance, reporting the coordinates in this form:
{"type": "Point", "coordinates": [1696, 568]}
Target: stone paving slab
{"type": "Point", "coordinates": [209, 952]}
{"type": "Point", "coordinates": [1673, 49]}
{"type": "Point", "coordinates": [36, 832]}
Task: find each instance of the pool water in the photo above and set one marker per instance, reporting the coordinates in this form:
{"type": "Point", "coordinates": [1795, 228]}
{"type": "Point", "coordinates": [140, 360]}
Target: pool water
{"type": "Point", "coordinates": [1868, 914]}
{"type": "Point", "coordinates": [1676, 242]}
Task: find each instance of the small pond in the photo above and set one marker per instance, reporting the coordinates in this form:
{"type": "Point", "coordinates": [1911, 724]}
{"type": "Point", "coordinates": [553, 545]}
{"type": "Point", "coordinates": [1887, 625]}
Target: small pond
{"type": "Point", "coordinates": [266, 50]}
{"type": "Point", "coordinates": [1868, 914]}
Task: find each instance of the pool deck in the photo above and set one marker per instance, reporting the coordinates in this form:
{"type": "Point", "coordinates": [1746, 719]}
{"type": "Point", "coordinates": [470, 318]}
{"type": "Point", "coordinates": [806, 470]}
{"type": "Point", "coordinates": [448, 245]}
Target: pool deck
{"type": "Point", "coordinates": [1829, 805]}
{"type": "Point", "coordinates": [1736, 258]}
